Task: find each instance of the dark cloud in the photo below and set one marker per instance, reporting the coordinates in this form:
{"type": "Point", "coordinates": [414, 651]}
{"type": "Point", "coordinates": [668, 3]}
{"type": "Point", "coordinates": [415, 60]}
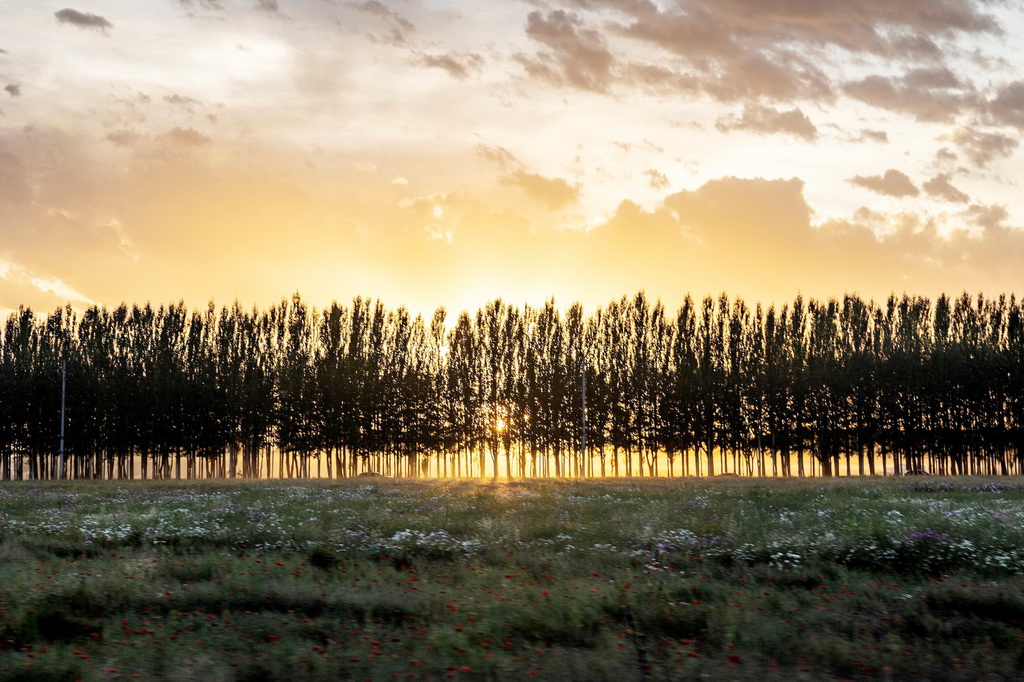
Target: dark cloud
{"type": "Point", "coordinates": [576, 54]}
{"type": "Point", "coordinates": [933, 79]}
{"type": "Point", "coordinates": [893, 184]}
{"type": "Point", "coordinates": [1008, 106]}
{"type": "Point", "coordinates": [187, 137]}
{"type": "Point", "coordinates": [940, 187]}
{"type": "Point", "coordinates": [917, 46]}
{"type": "Point", "coordinates": [982, 147]}
{"type": "Point", "coordinates": [926, 94]}
{"type": "Point", "coordinates": [767, 120]}
{"type": "Point", "coordinates": [13, 90]}
{"type": "Point", "coordinates": [557, 193]}
{"type": "Point", "coordinates": [780, 76]}
{"type": "Point", "coordinates": [82, 19]}
{"type": "Point", "coordinates": [458, 66]}
{"type": "Point", "coordinates": [267, 5]}
{"type": "Point", "coordinates": [660, 79]}
{"type": "Point", "coordinates": [730, 65]}
{"type": "Point", "coordinates": [746, 49]}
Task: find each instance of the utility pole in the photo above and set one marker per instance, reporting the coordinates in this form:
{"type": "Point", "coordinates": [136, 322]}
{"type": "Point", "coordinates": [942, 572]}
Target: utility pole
{"type": "Point", "coordinates": [63, 392]}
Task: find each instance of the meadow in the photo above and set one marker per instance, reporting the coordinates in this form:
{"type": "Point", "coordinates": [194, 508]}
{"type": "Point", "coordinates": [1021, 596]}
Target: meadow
{"type": "Point", "coordinates": [620, 579]}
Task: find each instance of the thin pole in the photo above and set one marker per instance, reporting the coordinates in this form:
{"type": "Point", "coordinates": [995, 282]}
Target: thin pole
{"type": "Point", "coordinates": [583, 420]}
{"type": "Point", "coordinates": [63, 392]}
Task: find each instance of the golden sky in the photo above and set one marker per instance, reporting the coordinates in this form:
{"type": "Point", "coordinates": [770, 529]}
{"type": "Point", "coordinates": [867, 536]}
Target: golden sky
{"type": "Point", "coordinates": [447, 152]}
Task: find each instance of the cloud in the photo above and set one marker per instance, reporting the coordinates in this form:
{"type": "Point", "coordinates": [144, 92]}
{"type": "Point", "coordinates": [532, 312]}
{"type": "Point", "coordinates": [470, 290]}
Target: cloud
{"type": "Point", "coordinates": [754, 237]}
{"type": "Point", "coordinates": [186, 103]}
{"type": "Point", "coordinates": [376, 8]}
{"type": "Point", "coordinates": [916, 46]}
{"type": "Point", "coordinates": [754, 205]}
{"type": "Point", "coordinates": [988, 217]}
{"type": "Point", "coordinates": [1008, 106]}
{"type": "Point", "coordinates": [124, 137]}
{"type": "Point", "coordinates": [13, 90]}
{"type": "Point", "coordinates": [945, 157]}
{"type": "Point", "coordinates": [926, 94]}
{"type": "Point", "coordinates": [767, 120]}
{"type": "Point", "coordinates": [781, 76]}
{"type": "Point", "coordinates": [982, 147]}
{"type": "Point", "coordinates": [187, 137]}
{"type": "Point", "coordinates": [458, 66]}
{"type": "Point", "coordinates": [749, 49]}
{"type": "Point", "coordinates": [20, 286]}
{"type": "Point", "coordinates": [874, 136]}
{"type": "Point", "coordinates": [656, 179]}
{"type": "Point", "coordinates": [730, 61]}
{"type": "Point", "coordinates": [893, 184]}
{"type": "Point", "coordinates": [872, 26]}
{"type": "Point", "coordinates": [936, 78]}
{"type": "Point", "coordinates": [557, 193]}
{"type": "Point", "coordinates": [399, 26]}
{"type": "Point", "coordinates": [205, 4]}
{"type": "Point", "coordinates": [576, 54]}
{"type": "Point", "coordinates": [737, 234]}
{"type": "Point", "coordinates": [267, 5]}
{"type": "Point", "coordinates": [940, 187]}
{"type": "Point", "coordinates": [500, 156]}
{"type": "Point", "coordinates": [82, 19]}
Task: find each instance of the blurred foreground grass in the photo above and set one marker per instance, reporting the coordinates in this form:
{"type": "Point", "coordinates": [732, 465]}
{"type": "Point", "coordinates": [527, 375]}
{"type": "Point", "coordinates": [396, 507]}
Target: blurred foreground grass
{"type": "Point", "coordinates": [615, 579]}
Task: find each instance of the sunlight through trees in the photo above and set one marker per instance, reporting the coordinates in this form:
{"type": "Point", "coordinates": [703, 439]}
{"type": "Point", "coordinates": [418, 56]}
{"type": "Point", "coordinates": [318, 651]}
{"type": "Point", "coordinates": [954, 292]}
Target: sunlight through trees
{"type": "Point", "coordinates": [716, 386]}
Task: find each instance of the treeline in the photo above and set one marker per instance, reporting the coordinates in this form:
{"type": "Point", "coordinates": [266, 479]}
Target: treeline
{"type": "Point", "coordinates": [849, 386]}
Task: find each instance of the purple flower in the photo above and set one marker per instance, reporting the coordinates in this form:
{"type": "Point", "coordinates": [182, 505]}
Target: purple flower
{"type": "Point", "coordinates": [928, 534]}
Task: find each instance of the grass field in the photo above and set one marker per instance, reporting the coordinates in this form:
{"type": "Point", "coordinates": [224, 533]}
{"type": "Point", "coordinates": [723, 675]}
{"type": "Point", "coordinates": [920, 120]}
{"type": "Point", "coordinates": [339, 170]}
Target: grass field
{"type": "Point", "coordinates": [377, 579]}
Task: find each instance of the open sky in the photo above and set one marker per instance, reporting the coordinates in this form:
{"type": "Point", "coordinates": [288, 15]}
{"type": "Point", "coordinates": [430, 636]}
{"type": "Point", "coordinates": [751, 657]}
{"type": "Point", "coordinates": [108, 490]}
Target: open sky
{"type": "Point", "coordinates": [447, 152]}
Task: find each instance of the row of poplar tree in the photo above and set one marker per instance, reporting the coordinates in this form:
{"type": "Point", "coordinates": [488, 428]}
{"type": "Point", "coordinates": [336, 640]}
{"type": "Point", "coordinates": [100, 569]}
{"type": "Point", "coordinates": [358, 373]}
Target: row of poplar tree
{"type": "Point", "coordinates": [630, 389]}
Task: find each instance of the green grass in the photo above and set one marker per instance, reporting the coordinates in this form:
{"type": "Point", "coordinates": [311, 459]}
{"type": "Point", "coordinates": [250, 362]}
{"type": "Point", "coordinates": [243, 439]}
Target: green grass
{"type": "Point", "coordinates": [619, 579]}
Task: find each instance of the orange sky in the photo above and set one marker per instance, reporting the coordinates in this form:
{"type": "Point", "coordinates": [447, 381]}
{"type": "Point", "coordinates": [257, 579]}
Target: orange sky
{"type": "Point", "coordinates": [447, 152]}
